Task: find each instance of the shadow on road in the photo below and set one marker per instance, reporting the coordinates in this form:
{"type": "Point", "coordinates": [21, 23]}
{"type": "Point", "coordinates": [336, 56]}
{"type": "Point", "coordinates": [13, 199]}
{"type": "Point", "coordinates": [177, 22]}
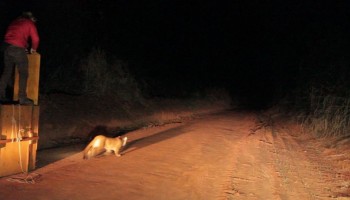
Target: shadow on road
{"type": "Point", "coordinates": [48, 156]}
{"type": "Point", "coordinates": [152, 139]}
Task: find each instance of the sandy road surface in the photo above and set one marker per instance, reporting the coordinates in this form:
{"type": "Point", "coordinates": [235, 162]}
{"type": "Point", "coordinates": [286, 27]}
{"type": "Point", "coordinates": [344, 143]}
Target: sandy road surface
{"type": "Point", "coordinates": [230, 155]}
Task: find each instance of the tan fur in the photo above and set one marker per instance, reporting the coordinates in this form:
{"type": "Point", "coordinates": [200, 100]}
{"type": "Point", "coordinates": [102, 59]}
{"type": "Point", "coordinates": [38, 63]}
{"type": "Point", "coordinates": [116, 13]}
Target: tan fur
{"type": "Point", "coordinates": [102, 143]}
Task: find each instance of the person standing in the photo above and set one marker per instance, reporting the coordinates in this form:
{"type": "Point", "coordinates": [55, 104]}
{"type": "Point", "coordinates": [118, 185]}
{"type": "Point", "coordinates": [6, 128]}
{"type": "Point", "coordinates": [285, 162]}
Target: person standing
{"type": "Point", "coordinates": [19, 34]}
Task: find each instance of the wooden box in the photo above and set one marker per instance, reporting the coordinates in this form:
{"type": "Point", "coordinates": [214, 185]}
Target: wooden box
{"type": "Point", "coordinates": [33, 79]}
{"type": "Point", "coordinates": [19, 127]}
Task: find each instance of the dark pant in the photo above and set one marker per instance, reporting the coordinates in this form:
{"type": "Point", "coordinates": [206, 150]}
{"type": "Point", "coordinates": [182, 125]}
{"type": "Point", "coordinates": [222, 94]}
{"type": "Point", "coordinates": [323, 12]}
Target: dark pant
{"type": "Point", "coordinates": [14, 56]}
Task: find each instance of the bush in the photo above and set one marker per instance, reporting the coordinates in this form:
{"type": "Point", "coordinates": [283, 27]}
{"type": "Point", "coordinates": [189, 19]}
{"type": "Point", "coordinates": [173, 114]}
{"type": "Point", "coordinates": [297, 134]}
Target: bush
{"type": "Point", "coordinates": [327, 115]}
{"type": "Point", "coordinates": [101, 77]}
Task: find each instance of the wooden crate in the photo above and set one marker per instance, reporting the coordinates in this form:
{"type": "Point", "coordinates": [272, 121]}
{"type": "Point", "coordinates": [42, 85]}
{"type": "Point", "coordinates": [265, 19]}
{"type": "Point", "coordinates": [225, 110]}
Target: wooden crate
{"type": "Point", "coordinates": [18, 121]}
{"type": "Point", "coordinates": [33, 79]}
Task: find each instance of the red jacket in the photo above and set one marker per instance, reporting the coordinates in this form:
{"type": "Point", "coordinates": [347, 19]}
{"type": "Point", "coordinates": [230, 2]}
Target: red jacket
{"type": "Point", "coordinates": [19, 31]}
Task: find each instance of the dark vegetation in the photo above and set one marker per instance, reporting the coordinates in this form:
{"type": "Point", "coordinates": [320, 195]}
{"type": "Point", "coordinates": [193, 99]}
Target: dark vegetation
{"type": "Point", "coordinates": [291, 56]}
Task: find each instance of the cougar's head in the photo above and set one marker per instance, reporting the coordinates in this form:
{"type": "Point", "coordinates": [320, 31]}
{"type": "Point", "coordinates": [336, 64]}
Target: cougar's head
{"type": "Point", "coordinates": [125, 139]}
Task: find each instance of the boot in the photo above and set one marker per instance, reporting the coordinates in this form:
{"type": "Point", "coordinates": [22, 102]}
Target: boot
{"type": "Point", "coordinates": [26, 101]}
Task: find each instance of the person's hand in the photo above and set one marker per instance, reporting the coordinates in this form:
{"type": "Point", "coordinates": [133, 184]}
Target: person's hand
{"type": "Point", "coordinates": [32, 51]}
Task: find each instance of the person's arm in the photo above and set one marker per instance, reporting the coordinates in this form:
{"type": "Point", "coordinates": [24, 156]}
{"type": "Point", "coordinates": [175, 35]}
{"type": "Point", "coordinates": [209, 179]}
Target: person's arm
{"type": "Point", "coordinates": [35, 39]}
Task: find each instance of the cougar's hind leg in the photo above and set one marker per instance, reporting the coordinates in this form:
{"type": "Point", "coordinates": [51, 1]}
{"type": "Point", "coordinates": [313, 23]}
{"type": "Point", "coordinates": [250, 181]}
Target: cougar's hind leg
{"type": "Point", "coordinates": [116, 152]}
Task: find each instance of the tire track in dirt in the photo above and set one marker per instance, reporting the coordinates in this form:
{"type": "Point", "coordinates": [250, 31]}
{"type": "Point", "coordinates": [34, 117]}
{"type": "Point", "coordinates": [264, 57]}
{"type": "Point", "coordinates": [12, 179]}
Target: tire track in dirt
{"type": "Point", "coordinates": [273, 165]}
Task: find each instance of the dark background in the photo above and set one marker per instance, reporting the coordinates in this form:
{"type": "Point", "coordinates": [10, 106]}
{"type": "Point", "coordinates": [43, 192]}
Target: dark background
{"type": "Point", "coordinates": [260, 50]}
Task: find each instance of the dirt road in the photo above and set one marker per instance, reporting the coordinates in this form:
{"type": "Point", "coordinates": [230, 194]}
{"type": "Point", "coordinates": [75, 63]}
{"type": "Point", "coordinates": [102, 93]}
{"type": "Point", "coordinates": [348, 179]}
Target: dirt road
{"type": "Point", "coordinates": [231, 155]}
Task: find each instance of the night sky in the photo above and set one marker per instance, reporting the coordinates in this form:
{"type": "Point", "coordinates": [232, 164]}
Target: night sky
{"type": "Point", "coordinates": [255, 49]}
